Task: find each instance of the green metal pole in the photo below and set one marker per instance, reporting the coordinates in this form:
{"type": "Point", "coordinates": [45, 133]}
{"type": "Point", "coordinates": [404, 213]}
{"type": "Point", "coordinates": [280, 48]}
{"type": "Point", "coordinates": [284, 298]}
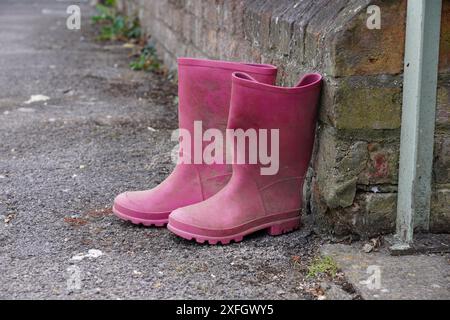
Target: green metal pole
{"type": "Point", "coordinates": [418, 117]}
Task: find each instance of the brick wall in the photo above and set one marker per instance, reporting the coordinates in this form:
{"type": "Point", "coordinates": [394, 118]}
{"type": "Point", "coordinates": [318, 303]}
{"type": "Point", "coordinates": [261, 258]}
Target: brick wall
{"type": "Point", "coordinates": [352, 184]}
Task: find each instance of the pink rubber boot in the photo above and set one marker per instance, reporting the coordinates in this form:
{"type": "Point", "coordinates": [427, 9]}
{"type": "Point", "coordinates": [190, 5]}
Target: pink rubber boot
{"type": "Point", "coordinates": [252, 201]}
{"type": "Point", "coordinates": [204, 91]}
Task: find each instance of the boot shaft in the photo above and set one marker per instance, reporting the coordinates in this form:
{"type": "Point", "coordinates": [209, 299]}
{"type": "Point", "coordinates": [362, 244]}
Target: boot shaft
{"type": "Point", "coordinates": [251, 201]}
{"type": "Point", "coordinates": [204, 89]}
{"type": "Point", "coordinates": [288, 118]}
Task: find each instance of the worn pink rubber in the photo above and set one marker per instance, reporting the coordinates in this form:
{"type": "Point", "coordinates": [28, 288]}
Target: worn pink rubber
{"type": "Point", "coordinates": [251, 201]}
{"type": "Point", "coordinates": [204, 89]}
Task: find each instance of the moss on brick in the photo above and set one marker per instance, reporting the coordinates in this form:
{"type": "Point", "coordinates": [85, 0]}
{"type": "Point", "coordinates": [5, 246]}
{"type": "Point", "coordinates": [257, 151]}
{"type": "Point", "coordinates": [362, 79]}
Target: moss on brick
{"type": "Point", "coordinates": [367, 108]}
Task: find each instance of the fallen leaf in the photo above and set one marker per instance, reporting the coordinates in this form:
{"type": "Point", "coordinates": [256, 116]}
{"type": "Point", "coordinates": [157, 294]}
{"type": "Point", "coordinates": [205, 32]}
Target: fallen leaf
{"type": "Point", "coordinates": [75, 221]}
{"type": "Point", "coordinates": [9, 218]}
{"type": "Point", "coordinates": [317, 291]}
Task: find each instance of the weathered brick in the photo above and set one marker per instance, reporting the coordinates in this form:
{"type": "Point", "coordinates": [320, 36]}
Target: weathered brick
{"type": "Point", "coordinates": [343, 164]}
{"type": "Point", "coordinates": [230, 16]}
{"type": "Point", "coordinates": [444, 47]}
{"type": "Point", "coordinates": [160, 11]}
{"type": "Point", "coordinates": [441, 167]}
{"type": "Point", "coordinates": [211, 12]}
{"type": "Point", "coordinates": [197, 8]}
{"type": "Point", "coordinates": [171, 45]}
{"type": "Point", "coordinates": [319, 26]}
{"type": "Point", "coordinates": [281, 31]}
{"type": "Point", "coordinates": [321, 34]}
{"type": "Point", "coordinates": [338, 165]}
{"type": "Point", "coordinates": [371, 214]}
{"type": "Point", "coordinates": [211, 42]}
{"type": "Point", "coordinates": [440, 213]}
{"type": "Point", "coordinates": [238, 17]}
{"type": "Point", "coordinates": [192, 51]}
{"type": "Point", "coordinates": [188, 27]}
{"type": "Point", "coordinates": [177, 4]}
{"type": "Point", "coordinates": [250, 25]}
{"type": "Point", "coordinates": [176, 21]}
{"type": "Point", "coordinates": [443, 103]}
{"type": "Point", "coordinates": [227, 45]}
{"type": "Point", "coordinates": [197, 36]}
{"type": "Point", "coordinates": [189, 5]}
{"type": "Point", "coordinates": [382, 163]}
{"type": "Point", "coordinates": [358, 50]}
{"type": "Point", "coordinates": [363, 103]}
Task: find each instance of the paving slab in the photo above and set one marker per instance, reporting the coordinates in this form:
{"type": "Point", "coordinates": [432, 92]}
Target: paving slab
{"type": "Point", "coordinates": [381, 276]}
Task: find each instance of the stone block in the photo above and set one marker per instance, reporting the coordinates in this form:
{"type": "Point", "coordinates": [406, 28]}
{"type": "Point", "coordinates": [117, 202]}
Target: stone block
{"type": "Point", "coordinates": [444, 46]}
{"type": "Point", "coordinates": [441, 167]}
{"type": "Point", "coordinates": [370, 215]}
{"type": "Point", "coordinates": [440, 211]}
{"type": "Point", "coordinates": [363, 103]}
{"type": "Point", "coordinates": [443, 103]}
{"type": "Point", "coordinates": [358, 50]}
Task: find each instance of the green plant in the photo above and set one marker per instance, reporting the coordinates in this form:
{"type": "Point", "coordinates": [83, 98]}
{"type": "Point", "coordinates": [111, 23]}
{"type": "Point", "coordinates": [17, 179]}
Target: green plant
{"type": "Point", "coordinates": [110, 3]}
{"type": "Point", "coordinates": [115, 26]}
{"type": "Point", "coordinates": [147, 60]}
{"type": "Point", "coordinates": [324, 265]}
{"type": "Point", "coordinates": [133, 30]}
{"type": "Point", "coordinates": [104, 13]}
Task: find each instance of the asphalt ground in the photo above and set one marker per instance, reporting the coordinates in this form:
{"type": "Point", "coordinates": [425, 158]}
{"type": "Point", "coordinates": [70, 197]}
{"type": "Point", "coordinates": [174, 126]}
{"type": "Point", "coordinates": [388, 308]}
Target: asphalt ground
{"type": "Point", "coordinates": [105, 129]}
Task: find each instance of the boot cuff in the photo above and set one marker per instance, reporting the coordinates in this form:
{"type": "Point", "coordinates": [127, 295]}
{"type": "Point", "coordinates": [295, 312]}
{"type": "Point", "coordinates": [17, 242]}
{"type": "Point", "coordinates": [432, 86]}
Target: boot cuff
{"type": "Point", "coordinates": [266, 69]}
{"type": "Point", "coordinates": [310, 81]}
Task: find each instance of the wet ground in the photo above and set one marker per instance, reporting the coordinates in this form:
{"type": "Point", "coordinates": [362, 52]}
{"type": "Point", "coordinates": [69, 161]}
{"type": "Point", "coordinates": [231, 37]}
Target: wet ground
{"type": "Point", "coordinates": [105, 129]}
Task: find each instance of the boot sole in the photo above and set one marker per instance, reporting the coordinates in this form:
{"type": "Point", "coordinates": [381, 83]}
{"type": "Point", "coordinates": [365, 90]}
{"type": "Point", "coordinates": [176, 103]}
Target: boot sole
{"type": "Point", "coordinates": [139, 221]}
{"type": "Point", "coordinates": [273, 228]}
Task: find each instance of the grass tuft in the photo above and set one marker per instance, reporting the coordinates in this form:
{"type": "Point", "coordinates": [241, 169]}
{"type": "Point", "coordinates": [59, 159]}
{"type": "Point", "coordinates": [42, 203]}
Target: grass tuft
{"type": "Point", "coordinates": [323, 265]}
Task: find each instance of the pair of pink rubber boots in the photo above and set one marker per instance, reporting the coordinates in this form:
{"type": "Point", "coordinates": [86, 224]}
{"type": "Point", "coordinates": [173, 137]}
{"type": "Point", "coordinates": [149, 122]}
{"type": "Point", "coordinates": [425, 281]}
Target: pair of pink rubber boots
{"type": "Point", "coordinates": [223, 202]}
